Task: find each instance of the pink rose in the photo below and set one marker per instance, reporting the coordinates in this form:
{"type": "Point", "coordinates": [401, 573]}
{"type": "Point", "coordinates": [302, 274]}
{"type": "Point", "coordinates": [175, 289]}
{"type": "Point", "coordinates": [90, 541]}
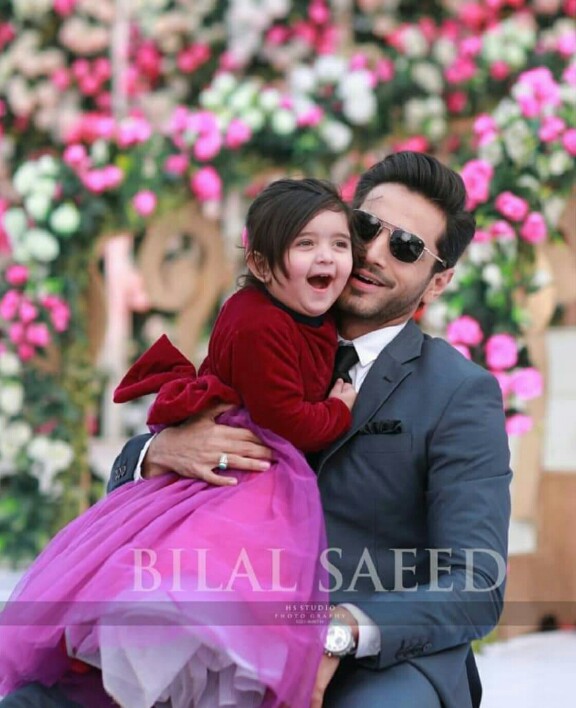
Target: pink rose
{"type": "Point", "coordinates": [384, 70]}
{"type": "Point", "coordinates": [477, 175]}
{"type": "Point", "coordinates": [511, 206]}
{"type": "Point", "coordinates": [206, 184]}
{"type": "Point", "coordinates": [76, 156]}
{"type": "Point", "coordinates": [463, 349]}
{"type": "Point", "coordinates": [569, 141]}
{"type": "Point", "coordinates": [464, 330]}
{"type": "Point", "coordinates": [501, 352]}
{"type": "Point", "coordinates": [456, 101]}
{"type": "Point", "coordinates": [481, 236]}
{"type": "Point", "coordinates": [144, 202]}
{"type": "Point", "coordinates": [16, 275]}
{"type": "Point", "coordinates": [26, 351]}
{"type": "Point", "coordinates": [415, 143]}
{"type": "Point", "coordinates": [27, 311]}
{"type": "Point", "coordinates": [534, 229]}
{"type": "Point", "coordinates": [9, 305]}
{"type": "Point", "coordinates": [237, 134]}
{"type": "Point", "coordinates": [176, 164]}
{"type": "Point", "coordinates": [64, 7]}
{"type": "Point", "coordinates": [38, 334]}
{"type": "Point", "coordinates": [503, 381]}
{"type": "Point", "coordinates": [551, 129]}
{"type": "Point", "coordinates": [518, 424]}
{"type": "Point", "coordinates": [311, 117]}
{"type": "Point", "coordinates": [499, 70]}
{"type": "Point", "coordinates": [60, 317]}
{"type": "Point", "coordinates": [527, 383]}
{"type": "Point", "coordinates": [16, 332]}
{"type": "Point", "coordinates": [502, 231]}
{"type": "Point", "coordinates": [207, 146]}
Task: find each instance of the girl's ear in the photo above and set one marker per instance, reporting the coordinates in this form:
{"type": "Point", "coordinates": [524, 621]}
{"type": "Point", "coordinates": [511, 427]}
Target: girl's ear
{"type": "Point", "coordinates": [258, 266]}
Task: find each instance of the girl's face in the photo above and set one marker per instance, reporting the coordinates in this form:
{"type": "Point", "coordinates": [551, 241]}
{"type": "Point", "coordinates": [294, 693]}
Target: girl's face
{"type": "Point", "coordinates": [318, 263]}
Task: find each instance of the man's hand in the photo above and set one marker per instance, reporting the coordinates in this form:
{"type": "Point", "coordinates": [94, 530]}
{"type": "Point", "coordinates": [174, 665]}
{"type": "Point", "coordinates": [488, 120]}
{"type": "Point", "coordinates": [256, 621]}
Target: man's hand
{"type": "Point", "coordinates": [326, 671]}
{"type": "Point", "coordinates": [329, 664]}
{"type": "Point", "coordinates": [194, 448]}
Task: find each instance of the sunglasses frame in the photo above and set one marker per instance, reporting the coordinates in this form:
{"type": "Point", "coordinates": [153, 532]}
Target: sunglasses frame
{"type": "Point", "coordinates": [391, 229]}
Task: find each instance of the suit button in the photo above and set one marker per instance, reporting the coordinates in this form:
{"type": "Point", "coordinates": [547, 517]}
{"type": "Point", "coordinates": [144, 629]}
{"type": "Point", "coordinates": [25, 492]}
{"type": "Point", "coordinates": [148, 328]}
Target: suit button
{"type": "Point", "coordinates": [427, 646]}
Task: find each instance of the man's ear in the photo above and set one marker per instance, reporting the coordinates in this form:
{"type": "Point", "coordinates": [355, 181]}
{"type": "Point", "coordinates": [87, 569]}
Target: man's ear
{"type": "Point", "coordinates": [438, 283]}
{"type": "Point", "coordinates": [258, 266]}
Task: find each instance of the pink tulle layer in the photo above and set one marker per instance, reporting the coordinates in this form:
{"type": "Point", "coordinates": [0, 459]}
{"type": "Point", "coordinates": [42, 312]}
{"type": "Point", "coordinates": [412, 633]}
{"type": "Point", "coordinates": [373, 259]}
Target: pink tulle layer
{"type": "Point", "coordinates": [167, 575]}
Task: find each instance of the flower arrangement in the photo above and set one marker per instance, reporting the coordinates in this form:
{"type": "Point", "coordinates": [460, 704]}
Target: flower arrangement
{"type": "Point", "coordinates": [205, 96]}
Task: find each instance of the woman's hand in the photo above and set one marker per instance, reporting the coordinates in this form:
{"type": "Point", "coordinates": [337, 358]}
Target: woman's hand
{"type": "Point", "coordinates": [193, 449]}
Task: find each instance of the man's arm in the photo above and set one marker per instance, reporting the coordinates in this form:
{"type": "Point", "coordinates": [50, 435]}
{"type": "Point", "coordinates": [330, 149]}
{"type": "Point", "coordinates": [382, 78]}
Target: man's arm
{"type": "Point", "coordinates": [468, 512]}
{"type": "Point", "coordinates": [192, 450]}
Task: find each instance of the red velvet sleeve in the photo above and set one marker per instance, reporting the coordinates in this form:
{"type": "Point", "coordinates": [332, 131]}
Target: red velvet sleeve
{"type": "Point", "coordinates": [266, 373]}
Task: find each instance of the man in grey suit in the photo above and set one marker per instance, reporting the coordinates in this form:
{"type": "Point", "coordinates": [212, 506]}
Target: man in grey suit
{"type": "Point", "coordinates": [416, 494]}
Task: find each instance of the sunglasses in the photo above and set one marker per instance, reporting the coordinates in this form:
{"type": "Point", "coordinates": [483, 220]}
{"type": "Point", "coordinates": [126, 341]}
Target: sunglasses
{"type": "Point", "coordinates": [404, 246]}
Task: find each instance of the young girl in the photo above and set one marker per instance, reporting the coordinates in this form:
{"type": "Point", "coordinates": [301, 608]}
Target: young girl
{"type": "Point", "coordinates": [184, 592]}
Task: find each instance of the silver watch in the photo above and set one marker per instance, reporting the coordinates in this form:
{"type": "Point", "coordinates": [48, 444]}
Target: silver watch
{"type": "Point", "coordinates": [339, 639]}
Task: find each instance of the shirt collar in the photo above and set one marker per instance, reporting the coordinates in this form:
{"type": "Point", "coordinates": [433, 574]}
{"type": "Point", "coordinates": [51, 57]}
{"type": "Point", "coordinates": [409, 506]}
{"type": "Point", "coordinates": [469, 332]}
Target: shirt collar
{"type": "Point", "coordinates": [369, 345]}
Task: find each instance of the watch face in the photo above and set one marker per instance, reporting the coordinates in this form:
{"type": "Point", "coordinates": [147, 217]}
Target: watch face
{"type": "Point", "coordinates": [338, 639]}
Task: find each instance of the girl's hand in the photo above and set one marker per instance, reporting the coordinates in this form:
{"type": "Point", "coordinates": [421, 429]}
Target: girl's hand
{"type": "Point", "coordinates": [345, 392]}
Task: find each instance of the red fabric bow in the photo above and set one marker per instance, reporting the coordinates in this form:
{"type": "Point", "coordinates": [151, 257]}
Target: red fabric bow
{"type": "Point", "coordinates": [181, 393]}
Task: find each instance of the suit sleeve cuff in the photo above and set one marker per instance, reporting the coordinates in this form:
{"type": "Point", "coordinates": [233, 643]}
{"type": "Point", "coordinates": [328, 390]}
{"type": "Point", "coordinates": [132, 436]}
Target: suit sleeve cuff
{"type": "Point", "coordinates": [369, 639]}
{"type": "Point", "coordinates": [138, 471]}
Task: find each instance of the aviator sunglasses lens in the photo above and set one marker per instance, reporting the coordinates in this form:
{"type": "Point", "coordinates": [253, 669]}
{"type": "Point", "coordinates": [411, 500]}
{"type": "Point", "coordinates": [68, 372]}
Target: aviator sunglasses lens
{"type": "Point", "coordinates": [367, 226]}
{"type": "Point", "coordinates": [405, 247]}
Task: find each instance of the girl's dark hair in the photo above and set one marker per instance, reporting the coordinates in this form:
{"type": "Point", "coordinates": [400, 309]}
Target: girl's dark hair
{"type": "Point", "coordinates": [281, 211]}
{"type": "Point", "coordinates": [428, 177]}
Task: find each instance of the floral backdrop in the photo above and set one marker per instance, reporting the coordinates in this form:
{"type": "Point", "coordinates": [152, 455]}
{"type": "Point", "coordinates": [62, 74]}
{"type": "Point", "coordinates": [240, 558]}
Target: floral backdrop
{"type": "Point", "coordinates": [113, 113]}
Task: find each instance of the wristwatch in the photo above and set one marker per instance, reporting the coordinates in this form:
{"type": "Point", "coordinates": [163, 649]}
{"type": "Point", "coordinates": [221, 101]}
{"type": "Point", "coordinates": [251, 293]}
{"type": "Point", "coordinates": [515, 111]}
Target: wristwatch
{"type": "Point", "coordinates": [339, 639]}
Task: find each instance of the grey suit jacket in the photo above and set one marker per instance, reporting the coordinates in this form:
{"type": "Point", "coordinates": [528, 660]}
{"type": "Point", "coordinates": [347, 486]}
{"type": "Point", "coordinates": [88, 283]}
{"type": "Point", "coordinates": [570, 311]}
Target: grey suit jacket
{"type": "Point", "coordinates": [416, 500]}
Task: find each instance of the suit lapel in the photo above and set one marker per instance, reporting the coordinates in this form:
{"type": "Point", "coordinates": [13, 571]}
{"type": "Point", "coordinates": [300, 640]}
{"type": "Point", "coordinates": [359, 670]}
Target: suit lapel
{"type": "Point", "coordinates": [387, 372]}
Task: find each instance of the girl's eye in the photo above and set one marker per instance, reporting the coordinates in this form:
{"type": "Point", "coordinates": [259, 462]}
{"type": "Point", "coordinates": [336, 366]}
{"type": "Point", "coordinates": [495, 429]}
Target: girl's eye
{"type": "Point", "coordinates": [304, 242]}
{"type": "Point", "coordinates": [344, 243]}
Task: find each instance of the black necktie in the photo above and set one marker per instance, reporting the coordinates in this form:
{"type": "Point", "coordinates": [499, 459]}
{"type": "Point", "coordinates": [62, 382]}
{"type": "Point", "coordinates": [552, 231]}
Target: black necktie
{"type": "Point", "coordinates": [346, 357]}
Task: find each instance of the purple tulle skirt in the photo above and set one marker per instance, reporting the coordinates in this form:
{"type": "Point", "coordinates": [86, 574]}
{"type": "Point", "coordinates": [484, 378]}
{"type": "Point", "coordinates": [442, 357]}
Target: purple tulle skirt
{"type": "Point", "coordinates": [183, 592]}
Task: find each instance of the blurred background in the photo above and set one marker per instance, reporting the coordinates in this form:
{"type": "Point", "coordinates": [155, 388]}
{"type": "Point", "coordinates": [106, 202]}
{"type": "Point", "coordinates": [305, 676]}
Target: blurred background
{"type": "Point", "coordinates": [133, 135]}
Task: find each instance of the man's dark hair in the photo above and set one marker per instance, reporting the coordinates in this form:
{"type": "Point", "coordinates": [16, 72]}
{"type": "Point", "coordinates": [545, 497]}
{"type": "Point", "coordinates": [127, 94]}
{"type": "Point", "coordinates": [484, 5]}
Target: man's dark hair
{"type": "Point", "coordinates": [427, 176]}
{"type": "Point", "coordinates": [282, 210]}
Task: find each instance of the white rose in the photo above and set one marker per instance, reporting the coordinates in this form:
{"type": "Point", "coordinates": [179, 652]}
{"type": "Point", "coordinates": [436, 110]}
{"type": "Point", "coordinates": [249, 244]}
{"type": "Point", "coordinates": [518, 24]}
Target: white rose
{"type": "Point", "coordinates": [11, 398]}
{"type": "Point", "coordinates": [242, 98]}
{"type": "Point", "coordinates": [330, 69]}
{"type": "Point", "coordinates": [39, 448]}
{"type": "Point", "coordinates": [428, 77]}
{"type": "Point", "coordinates": [302, 80]}
{"type": "Point", "coordinates": [415, 43]}
{"type": "Point", "coordinates": [360, 109]}
{"type": "Point", "coordinates": [210, 99]}
{"type": "Point", "coordinates": [444, 50]}
{"type": "Point", "coordinates": [61, 455]}
{"type": "Point", "coordinates": [37, 205]}
{"type": "Point", "coordinates": [19, 432]}
{"type": "Point", "coordinates": [41, 246]}
{"type": "Point", "coordinates": [436, 316]}
{"type": "Point", "coordinates": [355, 84]}
{"type": "Point", "coordinates": [45, 186]}
{"type": "Point", "coordinates": [223, 84]}
{"type": "Point", "coordinates": [553, 208]}
{"type": "Point", "coordinates": [480, 252]}
{"type": "Point", "coordinates": [491, 152]}
{"type": "Point", "coordinates": [65, 220]}
{"type": "Point", "coordinates": [269, 99]}
{"type": "Point", "coordinates": [415, 113]}
{"type": "Point", "coordinates": [567, 94]}
{"type": "Point", "coordinates": [492, 275]}
{"type": "Point", "coordinates": [15, 223]}
{"type": "Point", "coordinates": [436, 128]}
{"type": "Point", "coordinates": [254, 119]}
{"type": "Point", "coordinates": [100, 152]}
{"type": "Point", "coordinates": [25, 178]}
{"type": "Point", "coordinates": [48, 166]}
{"type": "Point", "coordinates": [283, 122]}
{"type": "Point", "coordinates": [9, 364]}
{"type": "Point", "coordinates": [560, 162]}
{"type": "Point", "coordinates": [338, 136]}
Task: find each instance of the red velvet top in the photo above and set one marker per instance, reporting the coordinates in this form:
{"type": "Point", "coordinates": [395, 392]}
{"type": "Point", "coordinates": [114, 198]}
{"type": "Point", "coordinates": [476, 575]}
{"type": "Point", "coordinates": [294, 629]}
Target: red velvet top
{"type": "Point", "coordinates": [272, 360]}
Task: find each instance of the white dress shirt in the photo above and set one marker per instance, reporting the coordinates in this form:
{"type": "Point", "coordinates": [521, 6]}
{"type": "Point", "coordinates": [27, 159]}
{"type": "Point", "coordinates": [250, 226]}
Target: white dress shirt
{"type": "Point", "coordinates": [368, 347]}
